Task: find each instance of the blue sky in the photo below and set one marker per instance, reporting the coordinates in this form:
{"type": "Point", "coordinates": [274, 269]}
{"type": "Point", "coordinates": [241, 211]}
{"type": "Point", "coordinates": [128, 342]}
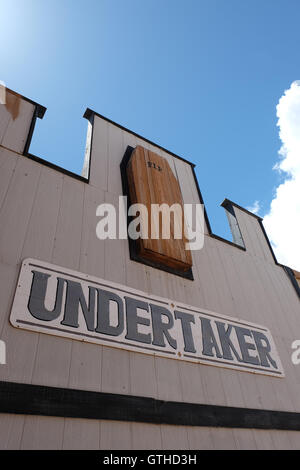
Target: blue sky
{"type": "Point", "coordinates": [199, 77]}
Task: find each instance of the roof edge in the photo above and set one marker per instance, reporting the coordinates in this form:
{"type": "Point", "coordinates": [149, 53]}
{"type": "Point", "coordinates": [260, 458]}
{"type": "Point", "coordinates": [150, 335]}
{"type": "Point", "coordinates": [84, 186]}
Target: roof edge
{"type": "Point", "coordinates": [89, 113]}
{"type": "Point", "coordinates": [228, 202]}
{"type": "Point", "coordinates": [40, 110]}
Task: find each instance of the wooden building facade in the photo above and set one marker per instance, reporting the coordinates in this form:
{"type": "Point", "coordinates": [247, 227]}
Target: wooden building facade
{"type": "Point", "coordinates": [60, 393]}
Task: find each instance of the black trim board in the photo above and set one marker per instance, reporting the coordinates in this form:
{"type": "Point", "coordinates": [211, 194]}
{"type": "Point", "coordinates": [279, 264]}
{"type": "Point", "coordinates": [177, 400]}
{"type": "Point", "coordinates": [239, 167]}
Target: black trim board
{"type": "Point", "coordinates": [210, 232]}
{"type": "Point", "coordinates": [56, 167]}
{"type": "Point", "coordinates": [38, 114]}
{"type": "Point", "coordinates": [89, 113]}
{"type": "Point", "coordinates": [28, 399]}
{"type": "Point", "coordinates": [30, 132]}
{"type": "Point", "coordinates": [292, 278]}
{"type": "Point", "coordinates": [228, 203]}
{"type": "Point", "coordinates": [40, 110]}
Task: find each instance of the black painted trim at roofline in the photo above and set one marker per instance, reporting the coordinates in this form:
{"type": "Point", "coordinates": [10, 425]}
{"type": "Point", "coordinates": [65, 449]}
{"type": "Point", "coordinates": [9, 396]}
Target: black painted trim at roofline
{"type": "Point", "coordinates": [210, 232]}
{"type": "Point", "coordinates": [289, 272]}
{"type": "Point", "coordinates": [39, 112]}
{"type": "Point", "coordinates": [56, 167]}
{"type": "Point", "coordinates": [291, 276]}
{"type": "Point", "coordinates": [260, 221]}
{"type": "Point", "coordinates": [88, 115]}
{"type": "Point", "coordinates": [228, 202]}
{"type": "Point", "coordinates": [28, 399]}
{"type": "Point", "coordinates": [202, 201]}
{"type": "Point", "coordinates": [221, 239]}
{"type": "Point", "coordinates": [30, 132]}
{"type": "Point", "coordinates": [89, 112]}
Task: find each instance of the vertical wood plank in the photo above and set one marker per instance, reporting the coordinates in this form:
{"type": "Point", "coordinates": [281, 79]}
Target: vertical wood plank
{"type": "Point", "coordinates": [39, 239]}
{"type": "Point", "coordinates": [14, 219]}
{"type": "Point", "coordinates": [8, 161]}
{"type": "Point", "coordinates": [168, 379]}
{"type": "Point", "coordinates": [53, 355]}
{"type": "Point", "coordinates": [244, 439]}
{"type": "Point", "coordinates": [142, 375]}
{"type": "Point", "coordinates": [8, 279]}
{"type": "Point", "coordinates": [115, 377]}
{"type": "Point", "coordinates": [294, 438]}
{"type": "Point", "coordinates": [223, 439]}
{"type": "Point", "coordinates": [42, 433]}
{"type": "Point", "coordinates": [200, 438]}
{"type": "Point", "coordinates": [92, 248]}
{"type": "Point", "coordinates": [114, 250]}
{"type": "Point", "coordinates": [146, 436]}
{"type": "Point", "coordinates": [263, 439]}
{"type": "Point", "coordinates": [85, 366]}
{"type": "Point", "coordinates": [16, 210]}
{"type": "Point", "coordinates": [281, 440]}
{"type": "Point", "coordinates": [115, 435]}
{"type": "Point", "coordinates": [81, 434]}
{"type": "Point", "coordinates": [16, 131]}
{"type": "Point", "coordinates": [11, 428]}
{"type": "Point", "coordinates": [99, 154]}
{"type": "Point", "coordinates": [52, 361]}
{"type": "Point", "coordinates": [174, 437]}
{"type": "Point", "coordinates": [191, 383]}
{"type": "Point", "coordinates": [116, 150]}
{"type": "Point", "coordinates": [66, 251]}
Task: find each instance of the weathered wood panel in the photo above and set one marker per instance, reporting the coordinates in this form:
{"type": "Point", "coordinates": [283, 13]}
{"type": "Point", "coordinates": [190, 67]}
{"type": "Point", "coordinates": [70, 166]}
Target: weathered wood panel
{"type": "Point", "coordinates": [53, 217]}
{"type": "Point", "coordinates": [80, 434]}
{"type": "Point", "coordinates": [41, 433]}
{"type": "Point", "coordinates": [174, 437]}
{"type": "Point", "coordinates": [116, 435]}
{"type": "Point", "coordinates": [244, 439]}
{"type": "Point", "coordinates": [15, 121]}
{"type": "Point", "coordinates": [38, 432]}
{"type": "Point", "coordinates": [99, 155]}
{"type": "Point", "coordinates": [152, 182]}
{"type": "Point", "coordinates": [16, 209]}
{"type": "Point", "coordinates": [11, 430]}
{"type": "Point", "coordinates": [8, 161]}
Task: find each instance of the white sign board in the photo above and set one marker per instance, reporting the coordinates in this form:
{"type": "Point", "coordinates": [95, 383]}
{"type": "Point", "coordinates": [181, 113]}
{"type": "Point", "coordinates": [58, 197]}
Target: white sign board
{"type": "Point", "coordinates": [58, 301]}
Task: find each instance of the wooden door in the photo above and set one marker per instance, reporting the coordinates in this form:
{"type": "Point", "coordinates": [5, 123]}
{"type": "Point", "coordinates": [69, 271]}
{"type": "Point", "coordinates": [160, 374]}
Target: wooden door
{"type": "Point", "coordinates": [151, 181]}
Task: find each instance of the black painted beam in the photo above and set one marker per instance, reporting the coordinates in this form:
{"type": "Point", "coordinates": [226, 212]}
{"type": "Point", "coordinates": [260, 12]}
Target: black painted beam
{"type": "Point", "coordinates": [31, 399]}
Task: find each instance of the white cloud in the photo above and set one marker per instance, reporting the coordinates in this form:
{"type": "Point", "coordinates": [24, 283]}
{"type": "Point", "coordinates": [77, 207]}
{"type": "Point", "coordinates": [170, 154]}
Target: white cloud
{"type": "Point", "coordinates": [282, 223]}
{"type": "Point", "coordinates": [255, 208]}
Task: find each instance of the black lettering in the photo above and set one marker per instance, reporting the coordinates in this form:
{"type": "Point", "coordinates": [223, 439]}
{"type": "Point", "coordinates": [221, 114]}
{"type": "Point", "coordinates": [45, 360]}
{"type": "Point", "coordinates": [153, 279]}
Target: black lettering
{"type": "Point", "coordinates": [208, 339]}
{"type": "Point", "coordinates": [36, 303]}
{"type": "Point", "coordinates": [245, 346]}
{"type": "Point", "coordinates": [186, 320]}
{"type": "Point", "coordinates": [74, 299]}
{"type": "Point", "coordinates": [133, 320]}
{"type": "Point", "coordinates": [226, 343]}
{"type": "Point", "coordinates": [263, 349]}
{"type": "Point", "coordinates": [103, 322]}
{"type": "Point", "coordinates": [160, 329]}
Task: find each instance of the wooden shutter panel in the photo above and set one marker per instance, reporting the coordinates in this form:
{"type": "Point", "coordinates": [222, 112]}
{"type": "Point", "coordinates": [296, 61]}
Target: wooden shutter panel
{"type": "Point", "coordinates": [151, 181]}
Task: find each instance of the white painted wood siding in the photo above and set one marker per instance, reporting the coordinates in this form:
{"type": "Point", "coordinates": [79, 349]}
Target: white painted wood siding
{"type": "Point", "coordinates": [50, 216]}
